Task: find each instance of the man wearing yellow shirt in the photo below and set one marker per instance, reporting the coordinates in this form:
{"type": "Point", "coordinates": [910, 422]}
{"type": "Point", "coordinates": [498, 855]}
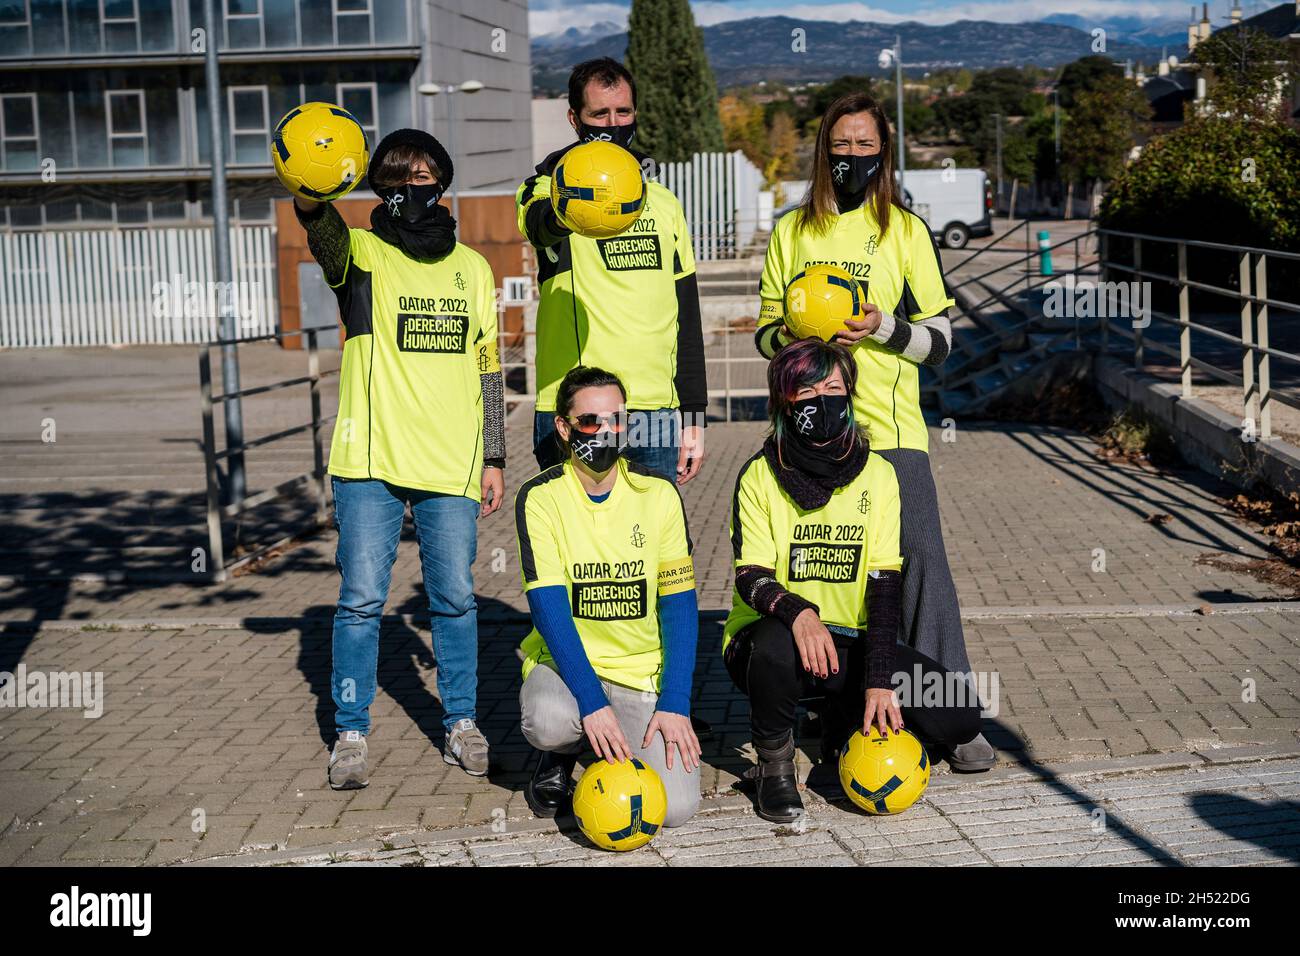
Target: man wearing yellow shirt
{"type": "Point", "coordinates": [640, 321]}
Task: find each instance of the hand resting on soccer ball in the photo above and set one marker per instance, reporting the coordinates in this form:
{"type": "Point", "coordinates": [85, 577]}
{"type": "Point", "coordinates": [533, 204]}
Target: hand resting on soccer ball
{"type": "Point", "coordinates": [859, 329]}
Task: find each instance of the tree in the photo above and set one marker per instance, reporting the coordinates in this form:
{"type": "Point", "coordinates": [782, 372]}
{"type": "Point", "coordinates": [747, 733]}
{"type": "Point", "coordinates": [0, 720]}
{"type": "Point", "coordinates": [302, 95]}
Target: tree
{"type": "Point", "coordinates": [743, 128]}
{"type": "Point", "coordinates": [1252, 74]}
{"type": "Point", "coordinates": [1220, 179]}
{"type": "Point", "coordinates": [1102, 128]}
{"type": "Point", "coordinates": [677, 110]}
{"type": "Point", "coordinates": [1085, 74]}
{"type": "Point", "coordinates": [783, 142]}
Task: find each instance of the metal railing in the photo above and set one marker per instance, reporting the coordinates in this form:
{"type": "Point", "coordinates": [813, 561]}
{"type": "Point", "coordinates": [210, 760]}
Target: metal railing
{"type": "Point", "coordinates": [1253, 303]}
{"type": "Point", "coordinates": [944, 376]}
{"type": "Point", "coordinates": [218, 509]}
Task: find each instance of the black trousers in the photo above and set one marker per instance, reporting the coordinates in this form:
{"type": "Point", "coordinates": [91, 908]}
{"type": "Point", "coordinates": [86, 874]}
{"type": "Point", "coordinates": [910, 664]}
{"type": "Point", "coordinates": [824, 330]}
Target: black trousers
{"type": "Point", "coordinates": [763, 661]}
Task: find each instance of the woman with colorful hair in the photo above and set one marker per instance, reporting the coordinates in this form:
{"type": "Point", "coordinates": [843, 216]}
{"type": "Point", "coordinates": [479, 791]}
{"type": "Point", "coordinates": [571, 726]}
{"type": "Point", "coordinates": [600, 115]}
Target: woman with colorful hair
{"type": "Point", "coordinates": [815, 543]}
{"type": "Point", "coordinates": [853, 217]}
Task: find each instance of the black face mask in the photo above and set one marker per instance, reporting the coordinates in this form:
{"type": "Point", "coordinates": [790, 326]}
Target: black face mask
{"type": "Point", "coordinates": [411, 218]}
{"type": "Point", "coordinates": [820, 418]}
{"type": "Point", "coordinates": [598, 452]}
{"type": "Point", "coordinates": [411, 204]}
{"type": "Point", "coordinates": [618, 135]}
{"type": "Point", "coordinates": [851, 175]}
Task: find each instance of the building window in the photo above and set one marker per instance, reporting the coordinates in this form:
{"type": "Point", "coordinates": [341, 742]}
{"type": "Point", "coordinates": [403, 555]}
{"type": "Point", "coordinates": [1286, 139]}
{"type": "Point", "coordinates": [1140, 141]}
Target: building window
{"type": "Point", "coordinates": [249, 130]}
{"type": "Point", "coordinates": [353, 22]}
{"type": "Point", "coordinates": [127, 142]}
{"type": "Point", "coordinates": [121, 25]}
{"type": "Point", "coordinates": [360, 100]}
{"type": "Point", "coordinates": [18, 136]}
{"type": "Point", "coordinates": [244, 24]}
{"type": "Point", "coordinates": [15, 28]}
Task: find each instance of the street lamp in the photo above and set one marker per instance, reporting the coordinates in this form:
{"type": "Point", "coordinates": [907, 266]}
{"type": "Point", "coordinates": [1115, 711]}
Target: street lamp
{"type": "Point", "coordinates": [895, 55]}
{"type": "Point", "coordinates": [435, 89]}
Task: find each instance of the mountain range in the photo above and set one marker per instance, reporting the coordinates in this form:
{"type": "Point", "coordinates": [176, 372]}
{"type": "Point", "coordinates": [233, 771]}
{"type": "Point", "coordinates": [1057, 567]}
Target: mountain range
{"type": "Point", "coordinates": [760, 48]}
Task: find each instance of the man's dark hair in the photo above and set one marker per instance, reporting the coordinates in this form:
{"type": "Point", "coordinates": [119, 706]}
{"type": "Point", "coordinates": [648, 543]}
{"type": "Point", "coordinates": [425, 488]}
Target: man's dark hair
{"type": "Point", "coordinates": [604, 70]}
{"type": "Point", "coordinates": [583, 376]}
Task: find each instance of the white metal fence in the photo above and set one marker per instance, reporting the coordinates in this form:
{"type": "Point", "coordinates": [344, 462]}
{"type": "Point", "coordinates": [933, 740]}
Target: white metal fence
{"type": "Point", "coordinates": [720, 194]}
{"type": "Point", "coordinates": [130, 287]}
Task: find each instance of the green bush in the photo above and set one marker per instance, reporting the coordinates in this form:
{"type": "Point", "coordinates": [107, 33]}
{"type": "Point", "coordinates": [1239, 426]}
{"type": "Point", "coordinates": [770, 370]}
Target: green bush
{"type": "Point", "coordinates": [1216, 179]}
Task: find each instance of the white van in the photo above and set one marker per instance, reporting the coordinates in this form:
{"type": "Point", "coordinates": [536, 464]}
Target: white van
{"type": "Point", "coordinates": [957, 203]}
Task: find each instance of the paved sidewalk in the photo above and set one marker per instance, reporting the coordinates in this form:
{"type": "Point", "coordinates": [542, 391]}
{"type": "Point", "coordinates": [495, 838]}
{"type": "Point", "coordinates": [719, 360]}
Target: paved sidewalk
{"type": "Point", "coordinates": [216, 721]}
{"type": "Point", "coordinates": [1212, 814]}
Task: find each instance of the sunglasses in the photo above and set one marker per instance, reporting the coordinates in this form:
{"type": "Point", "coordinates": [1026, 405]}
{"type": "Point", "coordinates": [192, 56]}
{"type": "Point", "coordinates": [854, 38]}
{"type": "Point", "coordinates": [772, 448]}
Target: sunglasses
{"type": "Point", "coordinates": [591, 423]}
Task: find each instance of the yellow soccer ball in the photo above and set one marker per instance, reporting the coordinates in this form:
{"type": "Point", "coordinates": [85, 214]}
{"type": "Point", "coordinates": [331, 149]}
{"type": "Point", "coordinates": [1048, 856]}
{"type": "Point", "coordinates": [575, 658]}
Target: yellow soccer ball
{"type": "Point", "coordinates": [884, 774]}
{"type": "Point", "coordinates": [597, 189]}
{"type": "Point", "coordinates": [319, 151]}
{"type": "Point", "coordinates": [620, 806]}
{"type": "Point", "coordinates": [820, 299]}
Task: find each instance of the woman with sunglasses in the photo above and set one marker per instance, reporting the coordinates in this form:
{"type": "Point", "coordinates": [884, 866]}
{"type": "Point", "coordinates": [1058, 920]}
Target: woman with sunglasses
{"type": "Point", "coordinates": [815, 541]}
{"type": "Point", "coordinates": [854, 217]}
{"type": "Point", "coordinates": [607, 568]}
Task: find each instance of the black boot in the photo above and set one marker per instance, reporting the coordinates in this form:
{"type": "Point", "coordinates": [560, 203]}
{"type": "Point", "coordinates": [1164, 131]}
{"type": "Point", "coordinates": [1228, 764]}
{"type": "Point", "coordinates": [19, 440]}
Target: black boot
{"type": "Point", "coordinates": [774, 779]}
{"type": "Point", "coordinates": [551, 788]}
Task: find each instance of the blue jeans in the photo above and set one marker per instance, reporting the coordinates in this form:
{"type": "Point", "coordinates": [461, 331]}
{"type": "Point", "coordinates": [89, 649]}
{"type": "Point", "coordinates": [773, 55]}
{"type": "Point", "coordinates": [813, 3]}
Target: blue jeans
{"type": "Point", "coordinates": [369, 516]}
{"type": "Point", "coordinates": [654, 439]}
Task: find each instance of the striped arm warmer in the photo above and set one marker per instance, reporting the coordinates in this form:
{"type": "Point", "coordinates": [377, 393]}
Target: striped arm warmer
{"type": "Point", "coordinates": [926, 342]}
{"type": "Point", "coordinates": [494, 420]}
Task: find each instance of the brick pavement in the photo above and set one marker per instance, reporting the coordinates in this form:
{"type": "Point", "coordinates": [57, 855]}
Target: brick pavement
{"type": "Point", "coordinates": [232, 720]}
{"type": "Point", "coordinates": [1221, 814]}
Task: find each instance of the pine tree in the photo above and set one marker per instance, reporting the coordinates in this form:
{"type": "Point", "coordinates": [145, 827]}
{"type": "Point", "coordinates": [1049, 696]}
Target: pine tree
{"type": "Point", "coordinates": [677, 103]}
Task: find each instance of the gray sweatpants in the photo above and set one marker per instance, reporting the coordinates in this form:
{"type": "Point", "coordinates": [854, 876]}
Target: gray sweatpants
{"type": "Point", "coordinates": [930, 617]}
{"type": "Point", "coordinates": [550, 721]}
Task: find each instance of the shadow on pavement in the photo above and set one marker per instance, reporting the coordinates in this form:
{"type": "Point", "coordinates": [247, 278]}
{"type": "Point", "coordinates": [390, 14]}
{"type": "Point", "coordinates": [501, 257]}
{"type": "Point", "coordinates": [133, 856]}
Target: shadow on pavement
{"type": "Point", "coordinates": [1274, 827]}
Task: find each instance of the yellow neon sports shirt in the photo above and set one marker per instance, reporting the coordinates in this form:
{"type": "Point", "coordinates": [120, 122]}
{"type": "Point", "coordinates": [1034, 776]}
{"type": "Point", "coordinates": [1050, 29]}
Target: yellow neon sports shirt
{"type": "Point", "coordinates": [623, 316]}
{"type": "Point", "coordinates": [419, 335]}
{"type": "Point", "coordinates": [903, 275]}
{"type": "Point", "coordinates": [614, 557]}
{"type": "Point", "coordinates": [821, 555]}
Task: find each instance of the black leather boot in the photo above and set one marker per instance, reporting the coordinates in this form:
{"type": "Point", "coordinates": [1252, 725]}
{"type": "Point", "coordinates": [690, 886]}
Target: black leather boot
{"type": "Point", "coordinates": [551, 788]}
{"type": "Point", "coordinates": [775, 784]}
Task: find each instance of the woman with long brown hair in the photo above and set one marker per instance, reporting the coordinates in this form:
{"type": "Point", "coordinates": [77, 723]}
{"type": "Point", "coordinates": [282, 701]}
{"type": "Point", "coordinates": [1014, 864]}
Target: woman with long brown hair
{"type": "Point", "coordinates": [853, 217]}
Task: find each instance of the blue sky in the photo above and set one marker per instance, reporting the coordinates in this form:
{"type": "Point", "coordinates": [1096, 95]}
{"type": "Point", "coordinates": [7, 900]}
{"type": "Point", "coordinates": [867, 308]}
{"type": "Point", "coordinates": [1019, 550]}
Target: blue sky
{"type": "Point", "coordinates": [549, 16]}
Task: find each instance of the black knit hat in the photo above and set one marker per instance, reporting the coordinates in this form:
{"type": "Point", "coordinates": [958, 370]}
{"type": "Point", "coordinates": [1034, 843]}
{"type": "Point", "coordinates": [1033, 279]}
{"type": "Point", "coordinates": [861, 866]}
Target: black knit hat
{"type": "Point", "coordinates": [420, 140]}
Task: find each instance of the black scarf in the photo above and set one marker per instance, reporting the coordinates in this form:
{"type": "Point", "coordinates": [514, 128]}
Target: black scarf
{"type": "Point", "coordinates": [431, 241]}
{"type": "Point", "coordinates": [812, 474]}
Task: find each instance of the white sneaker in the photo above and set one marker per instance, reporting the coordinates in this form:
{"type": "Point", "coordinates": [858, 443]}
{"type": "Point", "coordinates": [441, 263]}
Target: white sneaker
{"type": "Point", "coordinates": [466, 746]}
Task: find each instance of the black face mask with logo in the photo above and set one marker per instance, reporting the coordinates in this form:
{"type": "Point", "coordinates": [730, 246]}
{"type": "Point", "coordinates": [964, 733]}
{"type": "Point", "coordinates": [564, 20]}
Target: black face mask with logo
{"type": "Point", "coordinates": [618, 135]}
{"type": "Point", "coordinates": [851, 175]}
{"type": "Point", "coordinates": [820, 418]}
{"type": "Point", "coordinates": [411, 218]}
{"type": "Point", "coordinates": [597, 452]}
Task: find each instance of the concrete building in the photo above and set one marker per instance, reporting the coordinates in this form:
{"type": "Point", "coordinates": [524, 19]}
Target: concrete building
{"type": "Point", "coordinates": [103, 110]}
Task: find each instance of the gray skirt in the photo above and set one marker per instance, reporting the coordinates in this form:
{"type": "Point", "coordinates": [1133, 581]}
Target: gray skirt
{"type": "Point", "coordinates": [930, 618]}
